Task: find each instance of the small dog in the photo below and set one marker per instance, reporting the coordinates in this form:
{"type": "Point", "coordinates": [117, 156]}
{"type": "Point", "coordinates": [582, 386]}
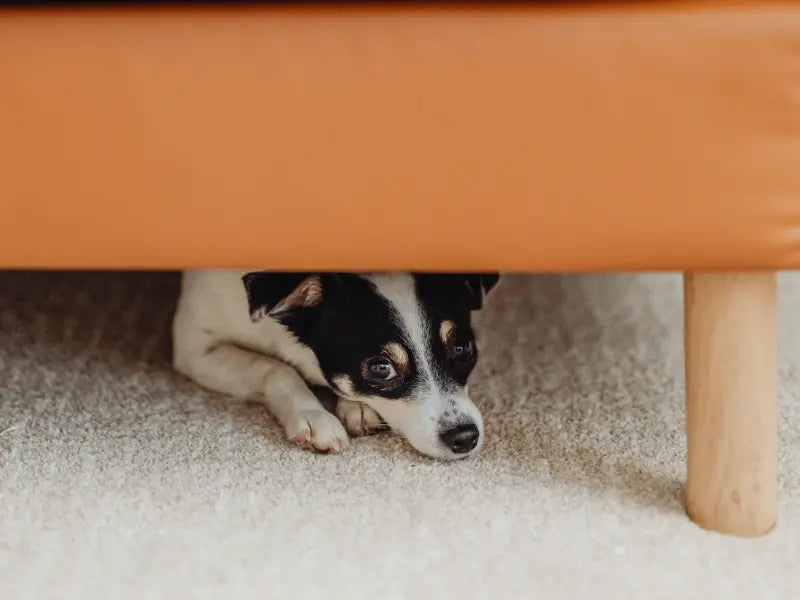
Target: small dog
{"type": "Point", "coordinates": [395, 348]}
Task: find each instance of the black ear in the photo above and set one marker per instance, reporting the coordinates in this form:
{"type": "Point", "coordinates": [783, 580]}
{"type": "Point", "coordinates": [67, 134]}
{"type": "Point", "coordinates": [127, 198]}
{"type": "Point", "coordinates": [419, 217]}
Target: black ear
{"type": "Point", "coordinates": [276, 294]}
{"type": "Point", "coordinates": [466, 289]}
{"type": "Point", "coordinates": [479, 286]}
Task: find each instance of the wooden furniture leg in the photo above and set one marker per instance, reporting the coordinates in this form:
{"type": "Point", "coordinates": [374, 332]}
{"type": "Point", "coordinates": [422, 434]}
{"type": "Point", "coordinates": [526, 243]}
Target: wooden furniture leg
{"type": "Point", "coordinates": [731, 401]}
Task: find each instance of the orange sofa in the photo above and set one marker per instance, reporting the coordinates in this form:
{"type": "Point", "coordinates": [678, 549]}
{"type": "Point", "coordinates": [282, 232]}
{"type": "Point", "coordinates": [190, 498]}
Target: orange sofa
{"type": "Point", "coordinates": [520, 137]}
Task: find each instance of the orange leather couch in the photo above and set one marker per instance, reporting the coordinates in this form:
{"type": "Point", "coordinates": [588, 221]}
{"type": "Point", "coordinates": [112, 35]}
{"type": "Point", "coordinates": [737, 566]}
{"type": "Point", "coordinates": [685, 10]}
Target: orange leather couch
{"type": "Point", "coordinates": [520, 137]}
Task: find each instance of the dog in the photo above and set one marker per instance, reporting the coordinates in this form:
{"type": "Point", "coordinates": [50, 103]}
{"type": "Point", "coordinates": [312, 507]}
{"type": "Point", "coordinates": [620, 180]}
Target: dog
{"type": "Point", "coordinates": [395, 348]}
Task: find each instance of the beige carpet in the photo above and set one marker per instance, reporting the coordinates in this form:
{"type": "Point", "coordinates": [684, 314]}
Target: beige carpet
{"type": "Point", "coordinates": [120, 480]}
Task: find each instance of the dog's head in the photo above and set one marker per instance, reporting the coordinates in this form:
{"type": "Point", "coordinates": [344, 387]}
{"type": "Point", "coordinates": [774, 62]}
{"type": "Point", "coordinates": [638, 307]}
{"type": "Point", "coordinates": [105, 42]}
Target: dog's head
{"type": "Point", "coordinates": [402, 344]}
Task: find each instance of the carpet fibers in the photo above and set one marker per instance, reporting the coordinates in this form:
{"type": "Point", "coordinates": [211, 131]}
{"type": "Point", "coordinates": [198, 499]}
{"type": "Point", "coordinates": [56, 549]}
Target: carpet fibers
{"type": "Point", "coordinates": [119, 479]}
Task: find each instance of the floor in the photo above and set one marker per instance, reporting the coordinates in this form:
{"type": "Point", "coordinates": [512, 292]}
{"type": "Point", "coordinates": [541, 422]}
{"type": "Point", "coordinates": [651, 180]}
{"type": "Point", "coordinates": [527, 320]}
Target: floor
{"type": "Point", "coordinates": [118, 479]}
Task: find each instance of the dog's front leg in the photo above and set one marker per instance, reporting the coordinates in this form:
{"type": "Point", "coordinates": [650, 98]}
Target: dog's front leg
{"type": "Point", "coordinates": [358, 418]}
{"type": "Point", "coordinates": [243, 374]}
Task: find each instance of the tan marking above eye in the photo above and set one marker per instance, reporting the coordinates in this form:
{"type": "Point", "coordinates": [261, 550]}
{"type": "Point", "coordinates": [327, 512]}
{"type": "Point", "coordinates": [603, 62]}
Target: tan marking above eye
{"type": "Point", "coordinates": [398, 355]}
{"type": "Point", "coordinates": [446, 330]}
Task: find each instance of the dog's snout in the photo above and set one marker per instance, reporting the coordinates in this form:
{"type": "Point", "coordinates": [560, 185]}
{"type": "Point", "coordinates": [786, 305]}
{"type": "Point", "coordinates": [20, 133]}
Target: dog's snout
{"type": "Point", "coordinates": [462, 438]}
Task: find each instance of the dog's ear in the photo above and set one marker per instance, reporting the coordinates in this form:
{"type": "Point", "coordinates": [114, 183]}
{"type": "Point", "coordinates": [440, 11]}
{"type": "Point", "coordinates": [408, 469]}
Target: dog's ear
{"type": "Point", "coordinates": [467, 289]}
{"type": "Point", "coordinates": [279, 294]}
{"type": "Point", "coordinates": [479, 286]}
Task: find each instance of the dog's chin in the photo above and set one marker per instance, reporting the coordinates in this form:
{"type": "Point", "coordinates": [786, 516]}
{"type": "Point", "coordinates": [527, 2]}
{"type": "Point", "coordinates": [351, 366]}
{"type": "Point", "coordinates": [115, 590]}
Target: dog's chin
{"type": "Point", "coordinates": [445, 455]}
{"type": "Point", "coordinates": [450, 456]}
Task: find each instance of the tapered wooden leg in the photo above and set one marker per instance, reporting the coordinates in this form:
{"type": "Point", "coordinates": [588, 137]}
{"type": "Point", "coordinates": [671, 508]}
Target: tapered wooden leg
{"type": "Point", "coordinates": [731, 401]}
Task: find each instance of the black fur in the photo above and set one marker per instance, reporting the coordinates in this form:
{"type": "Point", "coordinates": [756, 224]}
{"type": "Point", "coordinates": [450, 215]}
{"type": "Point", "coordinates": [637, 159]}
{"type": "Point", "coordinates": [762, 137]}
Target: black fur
{"type": "Point", "coordinates": [353, 322]}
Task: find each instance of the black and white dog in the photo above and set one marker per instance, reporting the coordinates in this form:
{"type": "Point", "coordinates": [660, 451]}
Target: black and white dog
{"type": "Point", "coordinates": [396, 349]}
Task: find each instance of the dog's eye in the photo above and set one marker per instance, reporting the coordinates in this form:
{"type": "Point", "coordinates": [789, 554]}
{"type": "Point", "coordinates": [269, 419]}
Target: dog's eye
{"type": "Point", "coordinates": [381, 370]}
{"type": "Point", "coordinates": [462, 351]}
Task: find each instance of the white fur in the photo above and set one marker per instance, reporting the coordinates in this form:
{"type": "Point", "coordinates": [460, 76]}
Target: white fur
{"type": "Point", "coordinates": [218, 345]}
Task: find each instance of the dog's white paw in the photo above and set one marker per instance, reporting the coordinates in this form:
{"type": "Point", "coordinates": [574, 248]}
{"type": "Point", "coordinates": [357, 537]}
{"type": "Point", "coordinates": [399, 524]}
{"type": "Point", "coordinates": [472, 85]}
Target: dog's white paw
{"type": "Point", "coordinates": [358, 418]}
{"type": "Point", "coordinates": [318, 430]}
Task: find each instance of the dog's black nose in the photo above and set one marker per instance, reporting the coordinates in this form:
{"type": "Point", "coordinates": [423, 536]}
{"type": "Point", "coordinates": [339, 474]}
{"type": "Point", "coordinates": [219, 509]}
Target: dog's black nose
{"type": "Point", "coordinates": [461, 439]}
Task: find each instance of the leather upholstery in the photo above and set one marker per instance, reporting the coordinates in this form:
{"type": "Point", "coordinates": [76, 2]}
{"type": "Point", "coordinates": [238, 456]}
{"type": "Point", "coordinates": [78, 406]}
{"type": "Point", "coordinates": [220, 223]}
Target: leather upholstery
{"type": "Point", "coordinates": [519, 138]}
